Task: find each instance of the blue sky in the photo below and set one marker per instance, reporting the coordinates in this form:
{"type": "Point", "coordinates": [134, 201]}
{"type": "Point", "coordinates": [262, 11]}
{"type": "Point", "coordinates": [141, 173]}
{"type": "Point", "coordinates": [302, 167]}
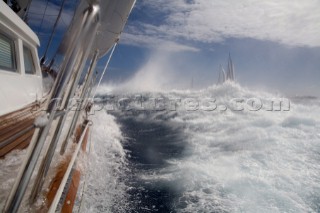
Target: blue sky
{"type": "Point", "coordinates": [275, 45]}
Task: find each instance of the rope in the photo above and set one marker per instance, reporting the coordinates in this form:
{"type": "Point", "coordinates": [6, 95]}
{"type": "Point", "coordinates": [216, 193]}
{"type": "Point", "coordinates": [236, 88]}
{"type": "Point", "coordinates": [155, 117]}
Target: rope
{"type": "Point", "coordinates": [104, 70]}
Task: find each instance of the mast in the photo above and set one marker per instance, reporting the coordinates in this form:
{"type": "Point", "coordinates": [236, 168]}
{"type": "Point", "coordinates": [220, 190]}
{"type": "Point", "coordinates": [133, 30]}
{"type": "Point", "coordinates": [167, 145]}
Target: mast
{"type": "Point", "coordinates": [229, 75]}
{"type": "Point", "coordinates": [222, 75]}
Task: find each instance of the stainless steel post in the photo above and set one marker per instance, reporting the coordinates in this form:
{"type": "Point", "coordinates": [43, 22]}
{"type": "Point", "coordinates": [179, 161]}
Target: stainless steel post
{"type": "Point", "coordinates": [20, 186]}
{"type": "Point", "coordinates": [82, 97]}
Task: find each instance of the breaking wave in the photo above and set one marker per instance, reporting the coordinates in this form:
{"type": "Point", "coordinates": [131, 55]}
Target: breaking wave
{"type": "Point", "coordinates": [185, 160]}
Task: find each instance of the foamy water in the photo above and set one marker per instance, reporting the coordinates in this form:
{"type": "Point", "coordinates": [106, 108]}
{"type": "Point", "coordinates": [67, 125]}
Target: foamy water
{"type": "Point", "coordinates": [209, 160]}
{"type": "Point", "coordinates": [263, 161]}
{"type": "Point", "coordinates": [101, 189]}
{"type": "Point", "coordinates": [240, 161]}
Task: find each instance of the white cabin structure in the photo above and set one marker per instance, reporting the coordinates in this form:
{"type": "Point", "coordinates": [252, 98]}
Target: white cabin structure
{"type": "Point", "coordinates": [20, 72]}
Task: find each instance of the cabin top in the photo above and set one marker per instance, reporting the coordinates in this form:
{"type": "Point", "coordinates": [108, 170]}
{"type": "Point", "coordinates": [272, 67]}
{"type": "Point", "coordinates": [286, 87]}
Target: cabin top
{"type": "Point", "coordinates": [20, 72]}
{"type": "Point", "coordinates": [16, 24]}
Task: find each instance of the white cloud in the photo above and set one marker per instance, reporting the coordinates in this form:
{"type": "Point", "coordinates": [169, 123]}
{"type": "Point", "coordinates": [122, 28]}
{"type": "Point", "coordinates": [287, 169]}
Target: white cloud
{"type": "Point", "coordinates": [290, 22]}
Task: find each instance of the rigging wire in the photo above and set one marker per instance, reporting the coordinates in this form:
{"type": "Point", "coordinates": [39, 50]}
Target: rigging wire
{"type": "Point", "coordinates": [104, 70]}
{"type": "Point", "coordinates": [41, 14]}
{"type": "Point", "coordinates": [68, 26]}
{"type": "Point", "coordinates": [27, 10]}
{"type": "Point", "coordinates": [53, 31]}
{"type": "Point", "coordinates": [44, 13]}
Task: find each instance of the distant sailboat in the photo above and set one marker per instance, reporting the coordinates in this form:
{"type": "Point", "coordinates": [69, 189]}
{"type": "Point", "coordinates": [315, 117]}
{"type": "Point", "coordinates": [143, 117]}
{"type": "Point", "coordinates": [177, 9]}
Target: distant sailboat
{"type": "Point", "coordinates": [229, 75]}
{"type": "Point", "coordinates": [222, 75]}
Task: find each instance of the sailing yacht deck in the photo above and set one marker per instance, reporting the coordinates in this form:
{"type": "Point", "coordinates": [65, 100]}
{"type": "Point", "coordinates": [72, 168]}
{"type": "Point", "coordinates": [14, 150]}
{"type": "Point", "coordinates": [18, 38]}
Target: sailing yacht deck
{"type": "Point", "coordinates": [95, 29]}
{"type": "Point", "coordinates": [16, 128]}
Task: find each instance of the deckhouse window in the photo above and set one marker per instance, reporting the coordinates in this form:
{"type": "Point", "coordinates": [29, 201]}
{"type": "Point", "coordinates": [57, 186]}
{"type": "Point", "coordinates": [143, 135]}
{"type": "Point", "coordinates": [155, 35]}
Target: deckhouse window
{"type": "Point", "coordinates": [7, 54]}
{"type": "Point", "coordinates": [28, 61]}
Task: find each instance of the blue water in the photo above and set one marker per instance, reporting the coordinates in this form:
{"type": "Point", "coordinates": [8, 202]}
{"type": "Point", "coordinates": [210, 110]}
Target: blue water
{"type": "Point", "coordinates": [206, 161]}
{"type": "Point", "coordinates": [150, 143]}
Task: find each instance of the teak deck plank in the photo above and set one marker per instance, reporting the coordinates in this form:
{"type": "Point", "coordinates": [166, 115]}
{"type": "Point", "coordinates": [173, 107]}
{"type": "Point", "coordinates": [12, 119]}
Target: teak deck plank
{"type": "Point", "coordinates": [20, 121]}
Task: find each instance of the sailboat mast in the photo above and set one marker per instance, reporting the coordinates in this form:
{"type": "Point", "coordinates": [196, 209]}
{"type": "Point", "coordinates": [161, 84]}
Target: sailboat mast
{"type": "Point", "coordinates": [226, 75]}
